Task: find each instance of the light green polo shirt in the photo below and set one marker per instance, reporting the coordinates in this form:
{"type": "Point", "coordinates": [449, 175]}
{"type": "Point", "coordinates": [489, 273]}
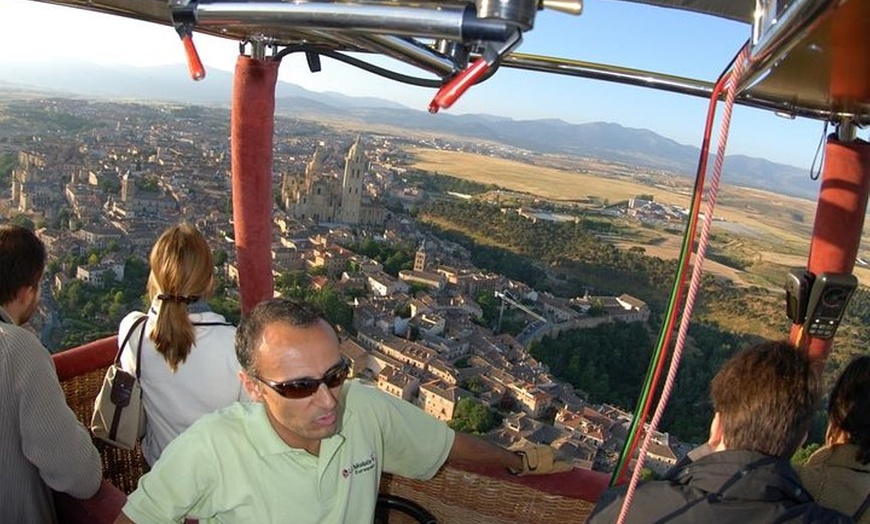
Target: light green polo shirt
{"type": "Point", "coordinates": [231, 466]}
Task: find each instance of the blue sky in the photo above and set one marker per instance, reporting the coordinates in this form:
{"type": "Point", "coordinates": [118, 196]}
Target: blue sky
{"type": "Point", "coordinates": [621, 33]}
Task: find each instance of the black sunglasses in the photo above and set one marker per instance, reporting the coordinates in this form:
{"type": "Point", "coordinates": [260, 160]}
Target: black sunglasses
{"type": "Point", "coordinates": [305, 387]}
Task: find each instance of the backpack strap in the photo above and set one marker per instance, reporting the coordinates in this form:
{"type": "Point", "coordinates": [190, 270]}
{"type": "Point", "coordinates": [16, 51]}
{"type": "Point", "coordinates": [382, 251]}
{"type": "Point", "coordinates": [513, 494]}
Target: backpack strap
{"type": "Point", "coordinates": [133, 327]}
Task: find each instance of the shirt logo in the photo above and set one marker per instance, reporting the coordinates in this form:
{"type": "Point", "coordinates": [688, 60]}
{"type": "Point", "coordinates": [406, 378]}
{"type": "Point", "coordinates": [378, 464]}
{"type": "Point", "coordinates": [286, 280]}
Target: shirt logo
{"type": "Point", "coordinates": [360, 466]}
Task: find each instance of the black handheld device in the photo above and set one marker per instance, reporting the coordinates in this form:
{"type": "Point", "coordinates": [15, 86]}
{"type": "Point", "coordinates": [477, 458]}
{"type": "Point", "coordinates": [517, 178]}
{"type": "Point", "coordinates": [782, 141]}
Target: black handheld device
{"type": "Point", "coordinates": [798, 283]}
{"type": "Point", "coordinates": [829, 296]}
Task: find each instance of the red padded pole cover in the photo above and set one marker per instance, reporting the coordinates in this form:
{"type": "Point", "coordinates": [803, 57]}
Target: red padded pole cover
{"type": "Point", "coordinates": [850, 55]}
{"type": "Point", "coordinates": [252, 125]}
{"type": "Point", "coordinates": [839, 219]}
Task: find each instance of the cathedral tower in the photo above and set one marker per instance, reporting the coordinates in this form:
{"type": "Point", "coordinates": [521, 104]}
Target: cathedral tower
{"type": "Point", "coordinates": [128, 188]}
{"type": "Point", "coordinates": [420, 257]}
{"type": "Point", "coordinates": [355, 164]}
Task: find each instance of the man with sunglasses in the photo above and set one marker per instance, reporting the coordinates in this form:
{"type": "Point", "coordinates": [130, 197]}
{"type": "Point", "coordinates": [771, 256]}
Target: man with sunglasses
{"type": "Point", "coordinates": [311, 447]}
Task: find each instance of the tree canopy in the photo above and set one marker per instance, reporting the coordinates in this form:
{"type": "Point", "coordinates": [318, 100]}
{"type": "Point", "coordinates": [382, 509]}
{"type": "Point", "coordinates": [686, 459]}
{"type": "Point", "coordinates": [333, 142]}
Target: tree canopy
{"type": "Point", "coordinates": [472, 416]}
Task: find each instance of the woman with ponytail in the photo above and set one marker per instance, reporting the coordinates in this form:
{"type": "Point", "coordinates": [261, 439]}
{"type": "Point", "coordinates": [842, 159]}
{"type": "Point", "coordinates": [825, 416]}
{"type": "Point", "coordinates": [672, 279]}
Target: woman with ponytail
{"type": "Point", "coordinates": [838, 474]}
{"type": "Point", "coordinates": [188, 360]}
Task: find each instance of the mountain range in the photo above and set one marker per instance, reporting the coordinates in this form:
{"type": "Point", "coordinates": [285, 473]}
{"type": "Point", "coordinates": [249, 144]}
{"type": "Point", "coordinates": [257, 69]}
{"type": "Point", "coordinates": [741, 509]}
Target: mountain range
{"type": "Point", "coordinates": [600, 140]}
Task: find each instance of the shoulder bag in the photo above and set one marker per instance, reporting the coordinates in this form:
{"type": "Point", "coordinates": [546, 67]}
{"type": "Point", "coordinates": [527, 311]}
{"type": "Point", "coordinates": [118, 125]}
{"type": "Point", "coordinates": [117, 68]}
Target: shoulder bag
{"type": "Point", "coordinates": [118, 416]}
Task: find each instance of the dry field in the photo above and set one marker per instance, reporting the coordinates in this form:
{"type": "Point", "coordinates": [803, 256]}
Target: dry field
{"type": "Point", "coordinates": [775, 229]}
{"type": "Point", "coordinates": [546, 182]}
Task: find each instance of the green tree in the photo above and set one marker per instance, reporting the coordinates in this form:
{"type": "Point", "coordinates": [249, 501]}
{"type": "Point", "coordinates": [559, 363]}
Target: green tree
{"type": "Point", "coordinates": [228, 307]}
{"type": "Point", "coordinates": [336, 310]}
{"type": "Point", "coordinates": [53, 267]}
{"type": "Point", "coordinates": [801, 456]}
{"type": "Point", "coordinates": [61, 220]}
{"type": "Point", "coordinates": [648, 474]}
{"type": "Point", "coordinates": [417, 287]}
{"type": "Point", "coordinates": [403, 311]}
{"type": "Point", "coordinates": [23, 221]}
{"type": "Point", "coordinates": [475, 385]}
{"type": "Point", "coordinates": [292, 283]}
{"type": "Point", "coordinates": [109, 279]}
{"type": "Point", "coordinates": [394, 257]}
{"type": "Point", "coordinates": [8, 162]}
{"type": "Point", "coordinates": [472, 416]}
{"type": "Point", "coordinates": [146, 183]}
{"type": "Point", "coordinates": [596, 309]}
{"type": "Point", "coordinates": [136, 272]}
{"type": "Point", "coordinates": [490, 306]}
{"type": "Point", "coordinates": [110, 186]}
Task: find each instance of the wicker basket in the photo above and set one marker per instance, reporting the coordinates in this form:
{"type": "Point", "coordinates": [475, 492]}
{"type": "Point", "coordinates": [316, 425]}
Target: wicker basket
{"type": "Point", "coordinates": [120, 467]}
{"type": "Point", "coordinates": [457, 496]}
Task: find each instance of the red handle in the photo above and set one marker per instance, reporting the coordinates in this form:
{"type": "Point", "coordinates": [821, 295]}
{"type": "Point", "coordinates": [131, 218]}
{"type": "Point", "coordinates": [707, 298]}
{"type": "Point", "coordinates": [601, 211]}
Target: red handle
{"type": "Point", "coordinates": [194, 64]}
{"type": "Point", "coordinates": [451, 91]}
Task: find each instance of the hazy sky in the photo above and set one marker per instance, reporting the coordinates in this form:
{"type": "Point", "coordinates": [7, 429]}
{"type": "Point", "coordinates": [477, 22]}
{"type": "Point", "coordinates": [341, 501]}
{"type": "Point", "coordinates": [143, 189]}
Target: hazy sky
{"type": "Point", "coordinates": [621, 33]}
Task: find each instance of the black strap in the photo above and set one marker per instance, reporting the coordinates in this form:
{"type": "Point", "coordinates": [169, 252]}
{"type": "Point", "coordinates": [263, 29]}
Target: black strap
{"type": "Point", "coordinates": [863, 509]}
{"type": "Point", "coordinates": [133, 327]}
{"type": "Point", "coordinates": [139, 349]}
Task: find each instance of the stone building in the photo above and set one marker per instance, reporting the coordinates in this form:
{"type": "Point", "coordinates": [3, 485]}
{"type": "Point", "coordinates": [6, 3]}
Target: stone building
{"type": "Point", "coordinates": [330, 197]}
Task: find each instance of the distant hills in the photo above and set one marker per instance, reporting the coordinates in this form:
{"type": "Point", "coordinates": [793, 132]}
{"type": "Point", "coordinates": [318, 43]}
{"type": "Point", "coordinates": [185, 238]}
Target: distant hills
{"type": "Point", "coordinates": [601, 140]}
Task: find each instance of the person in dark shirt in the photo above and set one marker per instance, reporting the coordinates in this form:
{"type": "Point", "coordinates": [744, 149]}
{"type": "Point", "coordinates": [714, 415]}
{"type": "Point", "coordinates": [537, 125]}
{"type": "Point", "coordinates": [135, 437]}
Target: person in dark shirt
{"type": "Point", "coordinates": [764, 398]}
{"type": "Point", "coordinates": [838, 474]}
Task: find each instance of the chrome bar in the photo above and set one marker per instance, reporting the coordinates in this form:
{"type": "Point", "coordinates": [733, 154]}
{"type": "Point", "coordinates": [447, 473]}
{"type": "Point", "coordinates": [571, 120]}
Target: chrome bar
{"type": "Point", "coordinates": [455, 22]}
{"type": "Point", "coordinates": [792, 25]}
{"type": "Point", "coordinates": [411, 52]}
{"type": "Point", "coordinates": [660, 81]}
{"type": "Point", "coordinates": [622, 75]}
{"type": "Point", "coordinates": [341, 41]}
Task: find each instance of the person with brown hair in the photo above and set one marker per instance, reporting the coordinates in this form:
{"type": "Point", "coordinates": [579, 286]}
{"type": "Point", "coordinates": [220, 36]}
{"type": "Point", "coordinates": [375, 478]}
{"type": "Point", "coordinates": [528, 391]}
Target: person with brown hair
{"type": "Point", "coordinates": [763, 398]}
{"type": "Point", "coordinates": [44, 447]}
{"type": "Point", "coordinates": [188, 362]}
{"type": "Point", "coordinates": [838, 474]}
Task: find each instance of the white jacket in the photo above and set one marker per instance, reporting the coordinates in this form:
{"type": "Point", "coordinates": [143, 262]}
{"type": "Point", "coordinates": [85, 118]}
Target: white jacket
{"type": "Point", "coordinates": [206, 381]}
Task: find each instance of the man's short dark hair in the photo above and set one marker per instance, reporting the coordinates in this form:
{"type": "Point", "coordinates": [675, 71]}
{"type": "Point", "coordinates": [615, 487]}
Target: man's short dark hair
{"type": "Point", "coordinates": [766, 396]}
{"type": "Point", "coordinates": [285, 310]}
{"type": "Point", "coordinates": [22, 259]}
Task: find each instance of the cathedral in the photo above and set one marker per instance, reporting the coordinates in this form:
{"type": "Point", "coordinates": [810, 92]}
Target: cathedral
{"type": "Point", "coordinates": [332, 197]}
{"type": "Point", "coordinates": [32, 187]}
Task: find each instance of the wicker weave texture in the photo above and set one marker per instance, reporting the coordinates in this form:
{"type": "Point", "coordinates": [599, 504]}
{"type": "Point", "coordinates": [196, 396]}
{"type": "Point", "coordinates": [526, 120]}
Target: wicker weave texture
{"type": "Point", "coordinates": [454, 496]}
{"type": "Point", "coordinates": [120, 467]}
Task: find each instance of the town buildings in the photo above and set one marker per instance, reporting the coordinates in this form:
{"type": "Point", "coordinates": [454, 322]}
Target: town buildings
{"type": "Point", "coordinates": [420, 333]}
